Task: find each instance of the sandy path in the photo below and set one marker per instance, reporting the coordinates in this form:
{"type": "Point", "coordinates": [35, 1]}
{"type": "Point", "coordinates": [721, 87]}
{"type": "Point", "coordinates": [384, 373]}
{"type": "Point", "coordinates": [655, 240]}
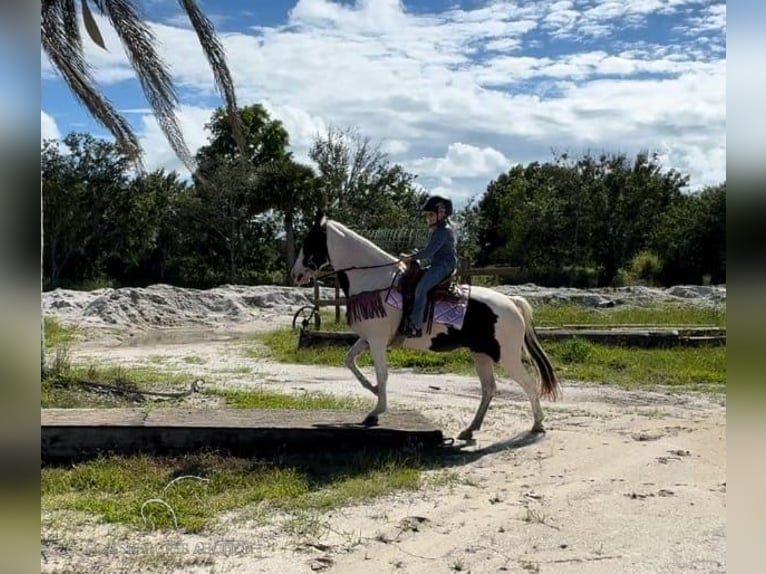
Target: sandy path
{"type": "Point", "coordinates": [622, 482]}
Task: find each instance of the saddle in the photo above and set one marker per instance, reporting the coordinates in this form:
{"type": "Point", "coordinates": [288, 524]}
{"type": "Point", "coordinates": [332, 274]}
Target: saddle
{"type": "Point", "coordinates": [447, 290]}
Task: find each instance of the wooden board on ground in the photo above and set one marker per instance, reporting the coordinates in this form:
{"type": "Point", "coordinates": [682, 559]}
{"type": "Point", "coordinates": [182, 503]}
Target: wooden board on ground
{"type": "Point", "coordinates": [76, 434]}
{"type": "Point", "coordinates": [625, 337]}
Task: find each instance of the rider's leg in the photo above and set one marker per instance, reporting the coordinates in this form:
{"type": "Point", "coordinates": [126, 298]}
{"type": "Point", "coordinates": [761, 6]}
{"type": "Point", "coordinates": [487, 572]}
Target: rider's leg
{"type": "Point", "coordinates": [431, 278]}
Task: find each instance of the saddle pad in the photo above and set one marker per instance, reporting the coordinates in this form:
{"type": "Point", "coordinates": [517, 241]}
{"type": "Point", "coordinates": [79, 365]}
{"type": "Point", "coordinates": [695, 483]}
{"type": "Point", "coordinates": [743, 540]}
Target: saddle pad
{"type": "Point", "coordinates": [446, 312]}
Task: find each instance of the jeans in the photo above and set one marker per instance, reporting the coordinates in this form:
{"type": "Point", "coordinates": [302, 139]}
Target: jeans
{"type": "Point", "coordinates": [432, 276]}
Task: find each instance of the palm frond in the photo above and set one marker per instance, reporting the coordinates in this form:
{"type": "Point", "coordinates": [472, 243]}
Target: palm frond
{"type": "Point", "coordinates": [61, 41]}
{"type": "Point", "coordinates": [90, 25]}
{"type": "Point", "coordinates": [153, 75]}
{"type": "Point", "coordinates": [216, 57]}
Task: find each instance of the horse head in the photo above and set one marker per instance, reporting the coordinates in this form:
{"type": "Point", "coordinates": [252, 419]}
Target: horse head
{"type": "Point", "coordinates": [313, 255]}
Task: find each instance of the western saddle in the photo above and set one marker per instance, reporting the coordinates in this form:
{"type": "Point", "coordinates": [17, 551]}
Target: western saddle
{"type": "Point", "coordinates": [446, 290]}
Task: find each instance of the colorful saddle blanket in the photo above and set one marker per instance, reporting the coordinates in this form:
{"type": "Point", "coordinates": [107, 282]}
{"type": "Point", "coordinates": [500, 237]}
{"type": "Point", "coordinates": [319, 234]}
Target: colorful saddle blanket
{"type": "Point", "coordinates": [449, 311]}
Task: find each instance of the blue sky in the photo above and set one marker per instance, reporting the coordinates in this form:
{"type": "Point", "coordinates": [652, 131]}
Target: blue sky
{"type": "Point", "coordinates": [456, 91]}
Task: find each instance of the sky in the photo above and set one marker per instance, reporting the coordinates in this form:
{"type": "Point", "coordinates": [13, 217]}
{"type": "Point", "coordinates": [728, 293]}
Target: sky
{"type": "Point", "coordinates": [457, 92]}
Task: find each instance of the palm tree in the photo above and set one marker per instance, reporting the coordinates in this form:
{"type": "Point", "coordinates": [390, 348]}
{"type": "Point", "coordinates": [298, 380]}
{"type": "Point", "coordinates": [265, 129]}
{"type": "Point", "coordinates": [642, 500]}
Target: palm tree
{"type": "Point", "coordinates": [61, 40]}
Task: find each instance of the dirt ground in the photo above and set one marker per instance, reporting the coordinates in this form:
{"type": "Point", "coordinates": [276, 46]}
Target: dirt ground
{"type": "Point", "coordinates": [621, 482]}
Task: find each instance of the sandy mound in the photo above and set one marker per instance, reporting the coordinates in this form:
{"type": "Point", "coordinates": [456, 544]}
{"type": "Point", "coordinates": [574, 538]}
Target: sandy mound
{"type": "Point", "coordinates": [161, 306]}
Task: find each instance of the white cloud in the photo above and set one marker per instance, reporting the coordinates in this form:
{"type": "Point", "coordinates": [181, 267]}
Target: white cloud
{"type": "Point", "coordinates": [48, 127]}
{"type": "Point", "coordinates": [462, 161]}
{"type": "Point", "coordinates": [158, 153]}
{"type": "Point", "coordinates": [302, 127]}
{"type": "Point", "coordinates": [412, 81]}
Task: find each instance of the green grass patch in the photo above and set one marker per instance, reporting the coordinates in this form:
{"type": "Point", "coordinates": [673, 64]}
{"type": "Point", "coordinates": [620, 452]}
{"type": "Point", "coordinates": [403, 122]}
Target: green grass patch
{"type": "Point", "coordinates": [282, 346]}
{"type": "Point", "coordinates": [115, 489]}
{"type": "Point", "coordinates": [669, 315]}
{"type": "Point", "coordinates": [259, 399]}
{"type": "Point", "coordinates": [57, 334]}
{"type": "Point", "coordinates": [699, 367]}
{"type": "Point", "coordinates": [578, 359]}
{"type": "Point", "coordinates": [62, 388]}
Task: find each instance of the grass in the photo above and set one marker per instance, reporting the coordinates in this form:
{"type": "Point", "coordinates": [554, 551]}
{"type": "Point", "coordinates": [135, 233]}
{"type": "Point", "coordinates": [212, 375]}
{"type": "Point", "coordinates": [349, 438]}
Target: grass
{"type": "Point", "coordinates": [577, 359]}
{"type": "Point", "coordinates": [701, 367]}
{"type": "Point", "coordinates": [62, 388]}
{"type": "Point", "coordinates": [260, 399]}
{"type": "Point", "coordinates": [281, 345]}
{"type": "Point", "coordinates": [117, 488]}
{"type": "Point", "coordinates": [56, 334]}
{"type": "Point", "coordinates": [671, 315]}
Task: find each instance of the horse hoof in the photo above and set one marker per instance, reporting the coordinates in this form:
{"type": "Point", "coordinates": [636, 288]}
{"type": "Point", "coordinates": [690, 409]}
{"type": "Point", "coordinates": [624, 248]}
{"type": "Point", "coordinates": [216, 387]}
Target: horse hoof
{"type": "Point", "coordinates": [465, 435]}
{"type": "Point", "coordinates": [538, 429]}
{"type": "Point", "coordinates": [370, 421]}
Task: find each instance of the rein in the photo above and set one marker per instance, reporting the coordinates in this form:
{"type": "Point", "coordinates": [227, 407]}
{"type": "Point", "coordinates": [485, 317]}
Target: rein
{"type": "Point", "coordinates": [355, 268]}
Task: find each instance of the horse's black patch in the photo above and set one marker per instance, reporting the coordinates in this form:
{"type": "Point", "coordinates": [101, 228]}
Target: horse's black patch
{"type": "Point", "coordinates": [478, 332]}
{"type": "Point", "coordinates": [315, 253]}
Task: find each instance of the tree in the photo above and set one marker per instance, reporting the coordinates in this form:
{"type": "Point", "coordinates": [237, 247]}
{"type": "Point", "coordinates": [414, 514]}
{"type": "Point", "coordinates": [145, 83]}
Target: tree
{"type": "Point", "coordinates": [61, 40]}
{"type": "Point", "coordinates": [265, 140]}
{"type": "Point", "coordinates": [626, 205]}
{"type": "Point", "coordinates": [358, 184]}
{"type": "Point", "coordinates": [691, 237]}
{"type": "Point", "coordinates": [291, 189]}
{"type": "Point", "coordinates": [224, 205]}
{"type": "Point", "coordinates": [81, 191]}
{"type": "Point", "coordinates": [276, 181]}
{"type": "Point", "coordinates": [554, 218]}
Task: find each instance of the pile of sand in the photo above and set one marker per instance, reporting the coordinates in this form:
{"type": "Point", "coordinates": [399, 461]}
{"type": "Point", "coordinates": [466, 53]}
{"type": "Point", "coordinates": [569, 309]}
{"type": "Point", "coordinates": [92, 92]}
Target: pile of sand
{"type": "Point", "coordinates": [161, 306]}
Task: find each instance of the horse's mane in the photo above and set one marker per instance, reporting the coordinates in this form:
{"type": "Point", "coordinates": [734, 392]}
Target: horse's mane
{"type": "Point", "coordinates": [341, 229]}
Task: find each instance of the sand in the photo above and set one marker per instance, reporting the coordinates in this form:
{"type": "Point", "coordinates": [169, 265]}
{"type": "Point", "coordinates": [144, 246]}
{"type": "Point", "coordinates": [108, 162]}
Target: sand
{"type": "Point", "coordinates": [623, 481]}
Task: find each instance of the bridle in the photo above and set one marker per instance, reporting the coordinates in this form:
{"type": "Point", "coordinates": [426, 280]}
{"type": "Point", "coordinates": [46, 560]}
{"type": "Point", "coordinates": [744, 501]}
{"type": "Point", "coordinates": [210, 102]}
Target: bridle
{"type": "Point", "coordinates": [352, 268]}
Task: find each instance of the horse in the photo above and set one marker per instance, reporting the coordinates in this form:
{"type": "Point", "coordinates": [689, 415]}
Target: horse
{"type": "Point", "coordinates": [497, 329]}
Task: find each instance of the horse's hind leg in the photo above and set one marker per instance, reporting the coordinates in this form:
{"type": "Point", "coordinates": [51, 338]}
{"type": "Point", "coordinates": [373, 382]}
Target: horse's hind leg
{"type": "Point", "coordinates": [519, 373]}
{"type": "Point", "coordinates": [357, 349]}
{"type": "Point", "coordinates": [485, 368]}
{"type": "Point", "coordinates": [378, 352]}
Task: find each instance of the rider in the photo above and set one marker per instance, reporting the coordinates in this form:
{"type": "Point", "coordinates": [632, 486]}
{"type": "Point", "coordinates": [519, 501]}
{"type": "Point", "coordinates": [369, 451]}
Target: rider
{"type": "Point", "coordinates": [441, 250]}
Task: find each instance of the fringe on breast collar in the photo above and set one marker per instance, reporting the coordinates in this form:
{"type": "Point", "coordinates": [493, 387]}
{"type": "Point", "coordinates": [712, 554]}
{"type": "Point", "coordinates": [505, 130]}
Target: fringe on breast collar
{"type": "Point", "coordinates": [365, 305]}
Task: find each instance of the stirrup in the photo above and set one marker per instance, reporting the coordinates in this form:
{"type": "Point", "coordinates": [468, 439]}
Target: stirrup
{"type": "Point", "coordinates": [411, 332]}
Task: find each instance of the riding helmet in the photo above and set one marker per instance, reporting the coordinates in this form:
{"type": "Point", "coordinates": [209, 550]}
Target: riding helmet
{"type": "Point", "coordinates": [435, 202]}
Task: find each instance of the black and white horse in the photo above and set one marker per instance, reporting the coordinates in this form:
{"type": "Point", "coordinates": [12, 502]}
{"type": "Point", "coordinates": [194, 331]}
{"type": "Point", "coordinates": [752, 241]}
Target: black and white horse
{"type": "Point", "coordinates": [496, 328]}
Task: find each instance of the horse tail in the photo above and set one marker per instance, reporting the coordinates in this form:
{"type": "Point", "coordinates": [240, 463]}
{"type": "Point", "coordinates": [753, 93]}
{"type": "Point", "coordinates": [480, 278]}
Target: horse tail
{"type": "Point", "coordinates": [550, 384]}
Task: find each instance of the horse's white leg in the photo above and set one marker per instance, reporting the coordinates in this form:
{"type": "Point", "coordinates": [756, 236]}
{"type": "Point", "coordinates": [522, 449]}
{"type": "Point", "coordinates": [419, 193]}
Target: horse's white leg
{"type": "Point", "coordinates": [357, 349]}
{"type": "Point", "coordinates": [519, 373]}
{"type": "Point", "coordinates": [485, 368]}
{"type": "Point", "coordinates": [378, 351]}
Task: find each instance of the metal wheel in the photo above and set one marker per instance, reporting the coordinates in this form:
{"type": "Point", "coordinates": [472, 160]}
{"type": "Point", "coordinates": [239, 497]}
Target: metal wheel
{"type": "Point", "coordinates": [307, 317]}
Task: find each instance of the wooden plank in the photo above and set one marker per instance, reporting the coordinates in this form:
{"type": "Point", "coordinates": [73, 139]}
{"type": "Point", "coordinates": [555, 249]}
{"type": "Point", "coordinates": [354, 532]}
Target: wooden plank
{"type": "Point", "coordinates": [76, 434]}
{"type": "Point", "coordinates": [643, 338]}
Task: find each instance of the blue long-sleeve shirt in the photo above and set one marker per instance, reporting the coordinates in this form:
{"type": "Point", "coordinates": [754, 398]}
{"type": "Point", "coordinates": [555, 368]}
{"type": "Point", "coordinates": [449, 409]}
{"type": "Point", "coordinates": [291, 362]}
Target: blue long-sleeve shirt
{"type": "Point", "coordinates": [441, 248]}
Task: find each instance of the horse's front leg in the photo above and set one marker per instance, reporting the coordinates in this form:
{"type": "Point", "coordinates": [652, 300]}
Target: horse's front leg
{"type": "Point", "coordinates": [378, 352]}
{"type": "Point", "coordinates": [357, 349]}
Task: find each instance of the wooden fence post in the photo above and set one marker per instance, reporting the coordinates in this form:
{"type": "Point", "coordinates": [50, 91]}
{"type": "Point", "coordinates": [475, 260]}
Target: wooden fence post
{"type": "Point", "coordinates": [464, 275]}
{"type": "Point", "coordinates": [337, 302]}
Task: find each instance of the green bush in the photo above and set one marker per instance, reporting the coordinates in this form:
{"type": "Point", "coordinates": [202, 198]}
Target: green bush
{"type": "Point", "coordinates": [645, 268]}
